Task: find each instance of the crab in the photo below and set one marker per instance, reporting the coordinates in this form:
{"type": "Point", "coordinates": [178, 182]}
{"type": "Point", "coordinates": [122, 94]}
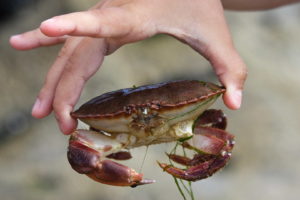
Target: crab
{"type": "Point", "coordinates": [146, 115]}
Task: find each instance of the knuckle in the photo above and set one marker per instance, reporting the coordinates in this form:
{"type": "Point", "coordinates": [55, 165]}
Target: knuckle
{"type": "Point", "coordinates": [37, 34]}
{"type": "Point", "coordinates": [96, 30]}
{"type": "Point", "coordinates": [63, 52]}
{"type": "Point", "coordinates": [83, 78]}
{"type": "Point", "coordinates": [76, 72]}
{"type": "Point", "coordinates": [70, 67]}
{"type": "Point", "coordinates": [71, 71]}
{"type": "Point", "coordinates": [243, 73]}
{"type": "Point", "coordinates": [97, 13]}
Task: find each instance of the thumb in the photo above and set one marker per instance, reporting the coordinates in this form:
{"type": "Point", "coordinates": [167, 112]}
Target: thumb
{"type": "Point", "coordinates": [232, 73]}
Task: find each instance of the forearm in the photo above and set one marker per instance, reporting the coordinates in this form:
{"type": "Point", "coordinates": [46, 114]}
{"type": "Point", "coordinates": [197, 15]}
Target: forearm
{"type": "Point", "coordinates": [254, 4]}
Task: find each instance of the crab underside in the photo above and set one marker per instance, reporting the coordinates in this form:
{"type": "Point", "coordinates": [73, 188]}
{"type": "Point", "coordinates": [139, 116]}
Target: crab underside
{"type": "Point", "coordinates": [146, 115]}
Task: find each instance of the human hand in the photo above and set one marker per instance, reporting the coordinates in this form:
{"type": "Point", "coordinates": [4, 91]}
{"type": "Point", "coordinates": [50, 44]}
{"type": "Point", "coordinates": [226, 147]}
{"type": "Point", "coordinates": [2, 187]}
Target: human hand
{"type": "Point", "coordinates": [112, 23]}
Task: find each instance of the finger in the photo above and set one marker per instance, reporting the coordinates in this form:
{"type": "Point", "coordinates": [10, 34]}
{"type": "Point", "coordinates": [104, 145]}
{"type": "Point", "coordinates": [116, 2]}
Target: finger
{"type": "Point", "coordinates": [232, 73]}
{"type": "Point", "coordinates": [104, 23]}
{"type": "Point", "coordinates": [44, 102]}
{"type": "Point", "coordinates": [77, 71]}
{"type": "Point", "coordinates": [34, 39]}
{"type": "Point", "coordinates": [216, 45]}
{"type": "Point", "coordinates": [209, 35]}
{"type": "Point", "coordinates": [225, 60]}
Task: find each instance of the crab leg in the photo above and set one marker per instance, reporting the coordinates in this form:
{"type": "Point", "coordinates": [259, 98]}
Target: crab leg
{"type": "Point", "coordinates": [197, 170]}
{"type": "Point", "coordinates": [180, 159]}
{"type": "Point", "coordinates": [200, 167]}
{"type": "Point", "coordinates": [198, 158]}
{"type": "Point", "coordinates": [212, 145]}
{"type": "Point", "coordinates": [85, 158]}
{"type": "Point", "coordinates": [192, 174]}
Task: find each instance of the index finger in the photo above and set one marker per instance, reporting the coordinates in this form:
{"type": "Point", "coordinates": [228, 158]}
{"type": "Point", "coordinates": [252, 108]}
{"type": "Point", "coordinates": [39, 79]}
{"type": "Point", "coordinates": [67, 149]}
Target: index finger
{"type": "Point", "coordinates": [83, 63]}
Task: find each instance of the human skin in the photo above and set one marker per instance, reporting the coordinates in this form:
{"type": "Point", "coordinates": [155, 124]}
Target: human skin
{"type": "Point", "coordinates": [254, 4]}
{"type": "Point", "coordinates": [113, 23]}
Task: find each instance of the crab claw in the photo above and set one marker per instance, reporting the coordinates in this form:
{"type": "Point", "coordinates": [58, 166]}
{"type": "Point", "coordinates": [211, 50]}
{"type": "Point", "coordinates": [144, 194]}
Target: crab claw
{"type": "Point", "coordinates": [85, 158]}
{"type": "Point", "coordinates": [213, 147]}
{"type": "Point", "coordinates": [213, 118]}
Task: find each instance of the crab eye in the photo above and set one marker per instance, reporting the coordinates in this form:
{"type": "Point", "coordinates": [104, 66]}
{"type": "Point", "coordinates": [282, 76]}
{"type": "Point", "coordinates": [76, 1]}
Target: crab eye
{"type": "Point", "coordinates": [159, 104]}
{"type": "Point", "coordinates": [127, 108]}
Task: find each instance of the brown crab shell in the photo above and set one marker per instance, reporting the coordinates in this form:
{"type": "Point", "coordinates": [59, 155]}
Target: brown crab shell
{"type": "Point", "coordinates": [112, 111]}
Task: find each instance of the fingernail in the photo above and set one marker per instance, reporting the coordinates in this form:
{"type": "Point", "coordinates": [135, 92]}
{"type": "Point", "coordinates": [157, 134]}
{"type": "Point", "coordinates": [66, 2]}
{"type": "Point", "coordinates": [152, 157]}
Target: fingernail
{"type": "Point", "coordinates": [15, 36]}
{"type": "Point", "coordinates": [238, 97]}
{"type": "Point", "coordinates": [36, 105]}
{"type": "Point", "coordinates": [51, 20]}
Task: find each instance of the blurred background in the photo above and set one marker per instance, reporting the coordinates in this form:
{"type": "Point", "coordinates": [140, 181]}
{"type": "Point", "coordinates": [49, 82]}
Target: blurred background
{"type": "Point", "coordinates": [265, 162]}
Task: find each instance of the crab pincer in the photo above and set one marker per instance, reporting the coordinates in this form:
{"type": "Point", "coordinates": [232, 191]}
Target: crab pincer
{"type": "Point", "coordinates": [85, 156]}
